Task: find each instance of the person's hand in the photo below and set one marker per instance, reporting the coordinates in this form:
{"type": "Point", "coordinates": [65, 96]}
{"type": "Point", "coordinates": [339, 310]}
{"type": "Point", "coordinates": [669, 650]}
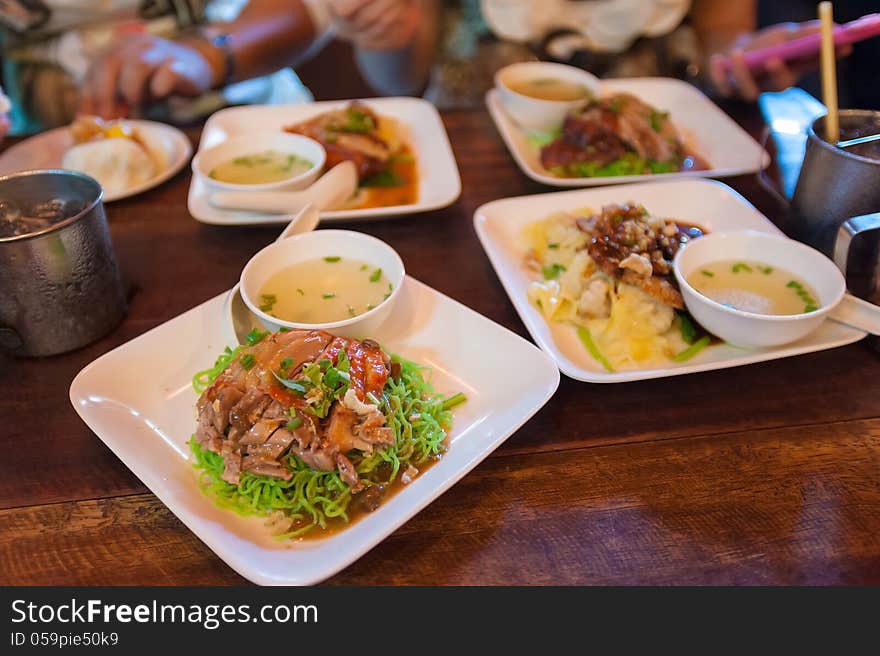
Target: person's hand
{"type": "Point", "coordinates": [376, 24]}
{"type": "Point", "coordinates": [736, 80]}
{"type": "Point", "coordinates": [141, 70]}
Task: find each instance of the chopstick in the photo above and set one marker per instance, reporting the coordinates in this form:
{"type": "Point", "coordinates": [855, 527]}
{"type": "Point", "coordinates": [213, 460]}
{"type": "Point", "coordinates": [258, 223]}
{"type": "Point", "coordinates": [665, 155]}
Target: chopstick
{"type": "Point", "coordinates": [829, 73]}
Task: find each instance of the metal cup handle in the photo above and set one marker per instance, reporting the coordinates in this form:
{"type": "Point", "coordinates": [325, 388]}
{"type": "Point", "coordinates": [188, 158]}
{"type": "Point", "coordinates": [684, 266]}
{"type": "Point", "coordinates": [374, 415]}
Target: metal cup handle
{"type": "Point", "coordinates": [847, 231]}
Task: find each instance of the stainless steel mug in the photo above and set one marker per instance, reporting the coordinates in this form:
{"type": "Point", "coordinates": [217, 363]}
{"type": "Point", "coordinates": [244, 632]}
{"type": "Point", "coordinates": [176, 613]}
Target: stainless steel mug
{"type": "Point", "coordinates": [836, 202]}
{"type": "Point", "coordinates": [60, 287]}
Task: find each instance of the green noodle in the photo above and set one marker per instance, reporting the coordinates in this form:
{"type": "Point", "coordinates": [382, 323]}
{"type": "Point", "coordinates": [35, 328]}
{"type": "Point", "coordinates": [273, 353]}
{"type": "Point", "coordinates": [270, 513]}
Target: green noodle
{"type": "Point", "coordinates": [310, 499]}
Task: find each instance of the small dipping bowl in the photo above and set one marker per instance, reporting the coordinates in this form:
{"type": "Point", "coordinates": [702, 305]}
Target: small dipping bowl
{"type": "Point", "coordinates": [252, 144]}
{"type": "Point", "coordinates": [536, 113]}
{"type": "Point", "coordinates": [313, 246]}
{"type": "Point", "coordinates": [750, 329]}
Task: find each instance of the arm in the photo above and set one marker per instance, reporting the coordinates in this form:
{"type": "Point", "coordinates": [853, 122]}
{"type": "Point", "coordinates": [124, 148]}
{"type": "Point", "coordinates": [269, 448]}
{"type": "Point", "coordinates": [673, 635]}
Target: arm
{"type": "Point", "coordinates": [403, 68]}
{"type": "Point", "coordinates": [266, 36]}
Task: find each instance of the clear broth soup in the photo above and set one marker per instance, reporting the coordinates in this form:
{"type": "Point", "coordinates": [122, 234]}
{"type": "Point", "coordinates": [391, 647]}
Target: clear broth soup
{"type": "Point", "coordinates": [324, 290]}
{"type": "Point", "coordinates": [551, 88]}
{"type": "Point", "coordinates": [260, 168]}
{"type": "Point", "coordinates": [754, 287]}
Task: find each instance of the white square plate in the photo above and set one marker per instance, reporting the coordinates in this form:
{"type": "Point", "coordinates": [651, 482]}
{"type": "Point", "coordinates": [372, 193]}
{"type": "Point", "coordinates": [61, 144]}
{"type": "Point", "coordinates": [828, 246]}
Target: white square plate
{"type": "Point", "coordinates": [705, 127]}
{"type": "Point", "coordinates": [138, 399]}
{"type": "Point", "coordinates": [709, 204]}
{"type": "Point", "coordinates": [439, 182]}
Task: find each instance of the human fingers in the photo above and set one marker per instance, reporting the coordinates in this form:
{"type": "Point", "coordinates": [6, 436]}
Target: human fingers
{"type": "Point", "coordinates": [102, 82]}
{"type": "Point", "coordinates": [779, 75]}
{"type": "Point", "coordinates": [745, 84]}
{"type": "Point", "coordinates": [133, 81]}
{"type": "Point", "coordinates": [718, 75]}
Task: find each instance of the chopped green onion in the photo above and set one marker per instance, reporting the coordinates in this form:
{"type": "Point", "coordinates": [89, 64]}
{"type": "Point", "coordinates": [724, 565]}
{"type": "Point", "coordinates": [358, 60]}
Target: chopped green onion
{"type": "Point", "coordinates": [255, 336]}
{"type": "Point", "coordinates": [810, 308]}
{"type": "Point", "coordinates": [328, 295]}
{"type": "Point", "coordinates": [794, 284]}
{"type": "Point", "coordinates": [374, 277]}
{"type": "Point", "coordinates": [294, 423]}
{"type": "Point", "coordinates": [364, 267]}
{"type": "Point", "coordinates": [286, 363]}
{"type": "Point", "coordinates": [766, 270]}
{"type": "Point", "coordinates": [553, 246]}
{"type": "Point", "coordinates": [708, 274]}
{"type": "Point", "coordinates": [552, 271]}
{"type": "Point", "coordinates": [291, 384]}
{"type": "Point", "coordinates": [741, 266]}
{"type": "Point", "coordinates": [350, 311]}
{"type": "Point", "coordinates": [332, 258]}
{"type": "Point", "coordinates": [267, 302]}
{"type": "Point", "coordinates": [587, 340]}
{"type": "Point", "coordinates": [300, 292]}
{"type": "Point", "coordinates": [686, 326]}
{"type": "Point", "coordinates": [693, 349]}
{"type": "Point", "coordinates": [247, 361]}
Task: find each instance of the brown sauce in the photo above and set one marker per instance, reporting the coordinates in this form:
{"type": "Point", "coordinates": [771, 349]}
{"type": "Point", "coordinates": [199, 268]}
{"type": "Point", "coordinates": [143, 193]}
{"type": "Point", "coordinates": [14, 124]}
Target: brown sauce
{"type": "Point", "coordinates": [404, 167]}
{"type": "Point", "coordinates": [363, 504]}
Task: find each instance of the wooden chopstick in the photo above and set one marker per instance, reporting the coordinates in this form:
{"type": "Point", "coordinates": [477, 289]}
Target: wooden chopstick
{"type": "Point", "coordinates": [829, 73]}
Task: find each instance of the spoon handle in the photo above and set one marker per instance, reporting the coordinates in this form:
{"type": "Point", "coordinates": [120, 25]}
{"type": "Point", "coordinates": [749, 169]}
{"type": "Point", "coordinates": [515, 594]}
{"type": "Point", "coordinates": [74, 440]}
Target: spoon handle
{"type": "Point", "coordinates": [858, 313]}
{"type": "Point", "coordinates": [305, 220]}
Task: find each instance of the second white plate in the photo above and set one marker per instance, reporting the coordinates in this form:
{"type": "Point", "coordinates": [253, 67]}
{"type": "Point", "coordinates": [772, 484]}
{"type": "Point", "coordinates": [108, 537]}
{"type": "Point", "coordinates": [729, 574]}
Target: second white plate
{"type": "Point", "coordinates": [709, 204]}
{"type": "Point", "coordinates": [705, 127]}
{"type": "Point", "coordinates": [439, 181]}
{"type": "Point", "coordinates": [45, 151]}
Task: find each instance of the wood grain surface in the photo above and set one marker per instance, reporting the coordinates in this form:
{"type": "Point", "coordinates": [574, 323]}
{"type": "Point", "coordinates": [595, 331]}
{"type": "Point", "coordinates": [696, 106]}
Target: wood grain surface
{"type": "Point", "coordinates": [762, 474]}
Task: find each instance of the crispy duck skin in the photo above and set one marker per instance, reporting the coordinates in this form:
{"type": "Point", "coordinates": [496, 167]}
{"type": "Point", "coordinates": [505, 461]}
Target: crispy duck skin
{"type": "Point", "coordinates": [611, 127]}
{"type": "Point", "coordinates": [333, 130]}
{"type": "Point", "coordinates": [245, 415]}
{"type": "Point", "coordinates": [637, 249]}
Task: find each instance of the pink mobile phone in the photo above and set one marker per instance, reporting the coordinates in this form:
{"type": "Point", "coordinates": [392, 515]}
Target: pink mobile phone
{"type": "Point", "coordinates": [805, 46]}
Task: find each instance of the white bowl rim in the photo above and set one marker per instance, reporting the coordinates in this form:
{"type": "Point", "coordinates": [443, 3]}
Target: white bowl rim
{"type": "Point", "coordinates": [823, 309]}
{"type": "Point", "coordinates": [552, 103]}
{"type": "Point", "coordinates": [261, 186]}
{"type": "Point", "coordinates": [332, 324]}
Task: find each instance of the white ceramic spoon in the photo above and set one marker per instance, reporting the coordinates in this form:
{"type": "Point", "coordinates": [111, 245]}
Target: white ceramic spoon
{"type": "Point", "coordinates": [240, 318]}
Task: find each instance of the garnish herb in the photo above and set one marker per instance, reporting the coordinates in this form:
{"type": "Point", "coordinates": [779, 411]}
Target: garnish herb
{"type": "Point", "coordinates": [300, 292]}
{"type": "Point", "coordinates": [255, 336]}
{"type": "Point", "coordinates": [708, 274]}
{"type": "Point", "coordinates": [552, 271]}
{"type": "Point", "coordinates": [350, 311]}
{"type": "Point", "coordinates": [332, 258]}
{"type": "Point", "coordinates": [294, 423]}
{"type": "Point", "coordinates": [286, 364]}
{"type": "Point", "coordinates": [328, 295]}
{"type": "Point", "coordinates": [741, 266]}
{"type": "Point", "coordinates": [374, 277]}
{"type": "Point", "coordinates": [686, 326]}
{"type": "Point", "coordinates": [363, 267]}
{"type": "Point", "coordinates": [267, 302]}
{"type": "Point", "coordinates": [587, 340]}
{"type": "Point", "coordinates": [553, 246]}
{"type": "Point", "coordinates": [247, 361]}
{"type": "Point", "coordinates": [766, 270]}
{"type": "Point", "coordinates": [692, 350]}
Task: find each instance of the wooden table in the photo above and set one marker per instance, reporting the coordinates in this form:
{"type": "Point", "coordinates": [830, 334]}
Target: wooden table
{"type": "Point", "coordinates": [766, 474]}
